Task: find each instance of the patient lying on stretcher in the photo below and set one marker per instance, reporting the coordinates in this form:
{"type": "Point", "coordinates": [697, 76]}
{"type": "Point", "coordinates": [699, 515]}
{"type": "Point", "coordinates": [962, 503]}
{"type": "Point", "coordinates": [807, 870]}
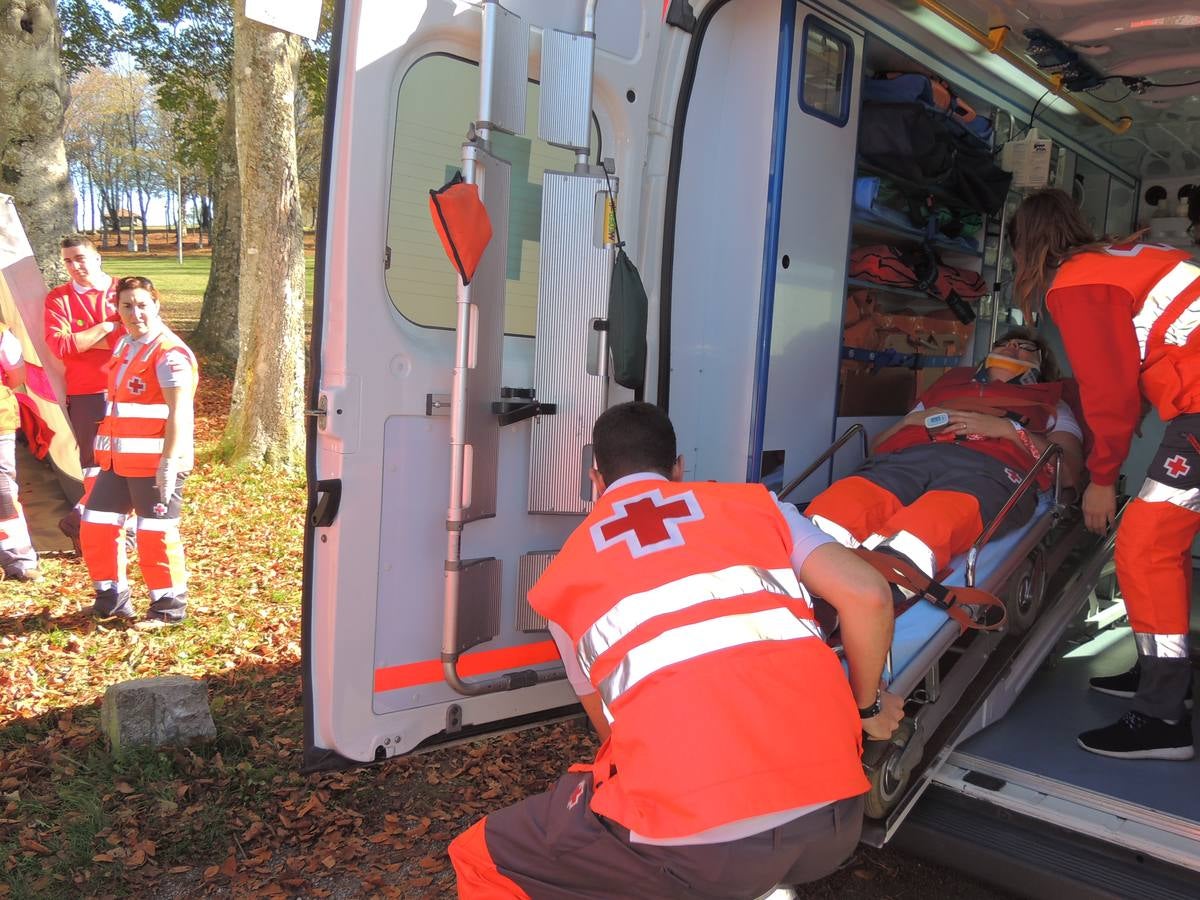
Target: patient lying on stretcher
{"type": "Point", "coordinates": [927, 491]}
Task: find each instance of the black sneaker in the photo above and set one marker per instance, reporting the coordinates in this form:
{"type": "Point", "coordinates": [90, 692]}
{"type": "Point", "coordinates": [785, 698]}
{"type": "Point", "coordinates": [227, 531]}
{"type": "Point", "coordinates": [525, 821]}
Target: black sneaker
{"type": "Point", "coordinates": [1126, 685]}
{"type": "Point", "coordinates": [1135, 736]}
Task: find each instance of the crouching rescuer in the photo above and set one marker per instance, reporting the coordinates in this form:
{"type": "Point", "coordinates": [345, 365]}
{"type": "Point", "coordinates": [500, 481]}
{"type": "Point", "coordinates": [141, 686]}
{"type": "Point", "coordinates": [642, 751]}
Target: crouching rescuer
{"type": "Point", "coordinates": [731, 738]}
{"type": "Point", "coordinates": [143, 449]}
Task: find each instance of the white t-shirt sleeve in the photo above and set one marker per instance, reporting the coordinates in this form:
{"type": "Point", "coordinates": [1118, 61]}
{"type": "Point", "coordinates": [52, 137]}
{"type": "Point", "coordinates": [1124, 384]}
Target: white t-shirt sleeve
{"type": "Point", "coordinates": [174, 369]}
{"type": "Point", "coordinates": [10, 351]}
{"type": "Point", "coordinates": [806, 537]}
{"type": "Point", "coordinates": [579, 681]}
{"type": "Point", "coordinates": [1064, 420]}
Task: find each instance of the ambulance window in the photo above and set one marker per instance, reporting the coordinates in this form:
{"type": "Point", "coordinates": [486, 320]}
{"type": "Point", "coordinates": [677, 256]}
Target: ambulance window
{"type": "Point", "coordinates": [825, 72]}
{"type": "Point", "coordinates": [438, 99]}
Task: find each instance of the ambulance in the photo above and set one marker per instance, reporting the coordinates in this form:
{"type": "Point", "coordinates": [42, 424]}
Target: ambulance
{"type": "Point", "coordinates": [763, 168]}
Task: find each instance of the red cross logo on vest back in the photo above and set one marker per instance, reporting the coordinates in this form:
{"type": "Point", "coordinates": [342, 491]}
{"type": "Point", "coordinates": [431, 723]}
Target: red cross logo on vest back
{"type": "Point", "coordinates": [647, 523]}
{"type": "Point", "coordinates": [136, 385]}
{"type": "Point", "coordinates": [1177, 466]}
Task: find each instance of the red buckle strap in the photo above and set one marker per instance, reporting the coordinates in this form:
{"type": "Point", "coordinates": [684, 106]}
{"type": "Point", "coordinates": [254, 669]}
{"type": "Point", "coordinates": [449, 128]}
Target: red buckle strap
{"type": "Point", "coordinates": [952, 599]}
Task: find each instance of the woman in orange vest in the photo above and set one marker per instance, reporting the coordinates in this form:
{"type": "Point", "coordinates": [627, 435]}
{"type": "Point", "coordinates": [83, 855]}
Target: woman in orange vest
{"type": "Point", "coordinates": [144, 450]}
{"type": "Point", "coordinates": [926, 493]}
{"type": "Point", "coordinates": [1129, 314]}
{"type": "Point", "coordinates": [731, 754]}
{"type": "Point", "coordinates": [17, 557]}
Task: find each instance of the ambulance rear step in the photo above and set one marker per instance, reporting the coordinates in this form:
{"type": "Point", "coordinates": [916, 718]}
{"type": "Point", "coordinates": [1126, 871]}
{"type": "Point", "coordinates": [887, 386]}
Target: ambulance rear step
{"type": "Point", "coordinates": [1041, 845]}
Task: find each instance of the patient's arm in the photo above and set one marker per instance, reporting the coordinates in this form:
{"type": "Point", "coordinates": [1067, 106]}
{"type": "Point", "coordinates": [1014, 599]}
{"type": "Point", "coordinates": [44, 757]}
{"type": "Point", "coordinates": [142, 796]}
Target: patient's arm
{"type": "Point", "coordinates": [916, 417]}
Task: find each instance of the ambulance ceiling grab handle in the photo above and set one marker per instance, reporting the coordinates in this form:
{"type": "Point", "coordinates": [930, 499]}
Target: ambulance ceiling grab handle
{"type": "Point", "coordinates": [503, 66]}
{"type": "Point", "coordinates": [994, 42]}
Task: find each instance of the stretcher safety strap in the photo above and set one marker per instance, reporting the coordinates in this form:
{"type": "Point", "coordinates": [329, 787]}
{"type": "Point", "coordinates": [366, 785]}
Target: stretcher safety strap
{"type": "Point", "coordinates": [907, 576]}
{"type": "Point", "coordinates": [700, 638]}
{"type": "Point", "coordinates": [637, 609]}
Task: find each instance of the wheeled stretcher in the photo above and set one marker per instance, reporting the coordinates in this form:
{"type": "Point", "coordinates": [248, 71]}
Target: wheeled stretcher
{"type": "Point", "coordinates": [934, 663]}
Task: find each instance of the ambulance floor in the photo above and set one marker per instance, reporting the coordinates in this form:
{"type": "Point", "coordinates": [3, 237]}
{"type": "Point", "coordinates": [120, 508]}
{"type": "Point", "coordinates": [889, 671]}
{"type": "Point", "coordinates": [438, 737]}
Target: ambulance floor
{"type": "Point", "coordinates": [44, 503]}
{"type": "Point", "coordinates": [1038, 734]}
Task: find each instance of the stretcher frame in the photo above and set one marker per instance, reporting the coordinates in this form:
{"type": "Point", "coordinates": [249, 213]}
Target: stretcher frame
{"type": "Point", "coordinates": [901, 768]}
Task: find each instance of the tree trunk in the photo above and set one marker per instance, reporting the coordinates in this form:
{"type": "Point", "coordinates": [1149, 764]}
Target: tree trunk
{"type": "Point", "coordinates": [33, 98]}
{"type": "Point", "coordinates": [217, 331]}
{"type": "Point", "coordinates": [266, 415]}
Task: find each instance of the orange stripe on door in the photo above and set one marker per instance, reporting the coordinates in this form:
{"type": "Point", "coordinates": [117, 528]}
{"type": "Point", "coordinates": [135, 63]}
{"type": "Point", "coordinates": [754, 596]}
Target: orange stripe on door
{"type": "Point", "coordinates": [481, 662]}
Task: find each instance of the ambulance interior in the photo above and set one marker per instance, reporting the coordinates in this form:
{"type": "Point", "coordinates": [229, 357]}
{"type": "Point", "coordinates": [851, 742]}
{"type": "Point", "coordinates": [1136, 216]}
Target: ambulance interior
{"type": "Point", "coordinates": [775, 349]}
{"type": "Point", "coordinates": [895, 341]}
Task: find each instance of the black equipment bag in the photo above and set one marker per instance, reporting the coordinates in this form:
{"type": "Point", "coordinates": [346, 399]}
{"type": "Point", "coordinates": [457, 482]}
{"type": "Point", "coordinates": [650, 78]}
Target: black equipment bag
{"type": "Point", "coordinates": [931, 149]}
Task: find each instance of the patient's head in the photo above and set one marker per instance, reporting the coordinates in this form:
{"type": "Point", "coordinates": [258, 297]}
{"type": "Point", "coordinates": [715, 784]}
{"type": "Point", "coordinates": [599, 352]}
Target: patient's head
{"type": "Point", "coordinates": [1022, 356]}
{"type": "Point", "coordinates": [633, 437]}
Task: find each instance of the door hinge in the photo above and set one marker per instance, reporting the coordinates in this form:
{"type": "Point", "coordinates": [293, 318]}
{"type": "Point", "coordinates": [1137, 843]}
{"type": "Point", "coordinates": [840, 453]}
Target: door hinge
{"type": "Point", "coordinates": [387, 258]}
{"type": "Point", "coordinates": [321, 412]}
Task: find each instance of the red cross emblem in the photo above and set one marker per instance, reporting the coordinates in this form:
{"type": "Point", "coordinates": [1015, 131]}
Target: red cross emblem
{"type": "Point", "coordinates": [136, 385]}
{"type": "Point", "coordinates": [575, 796]}
{"type": "Point", "coordinates": [1177, 466]}
{"type": "Point", "coordinates": [647, 523]}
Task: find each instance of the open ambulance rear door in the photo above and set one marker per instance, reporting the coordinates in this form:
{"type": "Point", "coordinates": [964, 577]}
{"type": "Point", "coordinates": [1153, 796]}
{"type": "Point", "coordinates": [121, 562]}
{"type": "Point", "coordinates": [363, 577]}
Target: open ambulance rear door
{"type": "Point", "coordinates": [449, 425]}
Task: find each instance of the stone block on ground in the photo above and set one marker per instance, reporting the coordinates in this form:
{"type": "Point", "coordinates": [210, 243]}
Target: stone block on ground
{"type": "Point", "coordinates": [150, 712]}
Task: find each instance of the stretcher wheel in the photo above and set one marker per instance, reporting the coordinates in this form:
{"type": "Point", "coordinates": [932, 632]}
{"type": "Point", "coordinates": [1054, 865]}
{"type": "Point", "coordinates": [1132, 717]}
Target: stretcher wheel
{"type": "Point", "coordinates": [1026, 594]}
{"type": "Point", "coordinates": [888, 780]}
{"type": "Point", "coordinates": [889, 766]}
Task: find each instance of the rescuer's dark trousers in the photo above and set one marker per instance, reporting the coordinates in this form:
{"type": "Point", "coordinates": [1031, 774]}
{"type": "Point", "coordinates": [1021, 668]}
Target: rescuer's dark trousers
{"type": "Point", "coordinates": [553, 847]}
{"type": "Point", "coordinates": [1154, 567]}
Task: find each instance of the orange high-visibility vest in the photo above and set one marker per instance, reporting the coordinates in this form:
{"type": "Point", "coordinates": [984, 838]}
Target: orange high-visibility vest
{"type": "Point", "coordinates": [686, 615]}
{"type": "Point", "coordinates": [1165, 285]}
{"type": "Point", "coordinates": [130, 439]}
{"type": "Point", "coordinates": [10, 414]}
{"type": "Point", "coordinates": [1032, 404]}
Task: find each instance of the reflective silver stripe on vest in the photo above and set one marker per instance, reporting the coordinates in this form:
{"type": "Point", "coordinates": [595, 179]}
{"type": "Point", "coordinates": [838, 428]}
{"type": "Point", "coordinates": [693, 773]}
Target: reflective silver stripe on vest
{"type": "Point", "coordinates": [137, 445]}
{"type": "Point", "coordinates": [102, 442]}
{"type": "Point", "coordinates": [137, 410]}
{"type": "Point", "coordinates": [700, 638]}
{"type": "Point", "coordinates": [1160, 297]}
{"type": "Point", "coordinates": [1156, 492]}
{"type": "Point", "coordinates": [637, 609]}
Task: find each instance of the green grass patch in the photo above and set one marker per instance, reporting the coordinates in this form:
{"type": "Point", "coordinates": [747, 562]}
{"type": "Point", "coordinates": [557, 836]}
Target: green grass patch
{"type": "Point", "coordinates": [182, 286]}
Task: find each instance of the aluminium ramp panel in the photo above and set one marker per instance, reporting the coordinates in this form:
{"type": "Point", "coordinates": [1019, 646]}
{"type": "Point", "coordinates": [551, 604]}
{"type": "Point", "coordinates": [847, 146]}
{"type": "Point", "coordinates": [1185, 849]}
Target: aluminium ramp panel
{"type": "Point", "coordinates": [574, 270]}
{"type": "Point", "coordinates": [565, 108]}
{"type": "Point", "coordinates": [504, 73]}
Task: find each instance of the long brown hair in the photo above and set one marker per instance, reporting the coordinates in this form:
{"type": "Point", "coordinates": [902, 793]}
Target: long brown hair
{"type": "Point", "coordinates": [1047, 228]}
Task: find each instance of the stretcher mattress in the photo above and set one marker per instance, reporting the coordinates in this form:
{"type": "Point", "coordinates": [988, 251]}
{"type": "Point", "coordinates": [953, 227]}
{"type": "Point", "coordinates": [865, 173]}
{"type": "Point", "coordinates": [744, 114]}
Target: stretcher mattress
{"type": "Point", "coordinates": [917, 625]}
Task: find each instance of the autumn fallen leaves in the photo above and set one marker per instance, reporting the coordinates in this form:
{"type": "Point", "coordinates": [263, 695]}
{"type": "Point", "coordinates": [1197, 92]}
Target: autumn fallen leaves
{"type": "Point", "coordinates": [235, 817]}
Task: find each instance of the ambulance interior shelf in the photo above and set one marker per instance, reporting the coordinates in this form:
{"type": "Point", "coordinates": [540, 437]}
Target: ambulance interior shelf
{"type": "Point", "coordinates": [915, 210]}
